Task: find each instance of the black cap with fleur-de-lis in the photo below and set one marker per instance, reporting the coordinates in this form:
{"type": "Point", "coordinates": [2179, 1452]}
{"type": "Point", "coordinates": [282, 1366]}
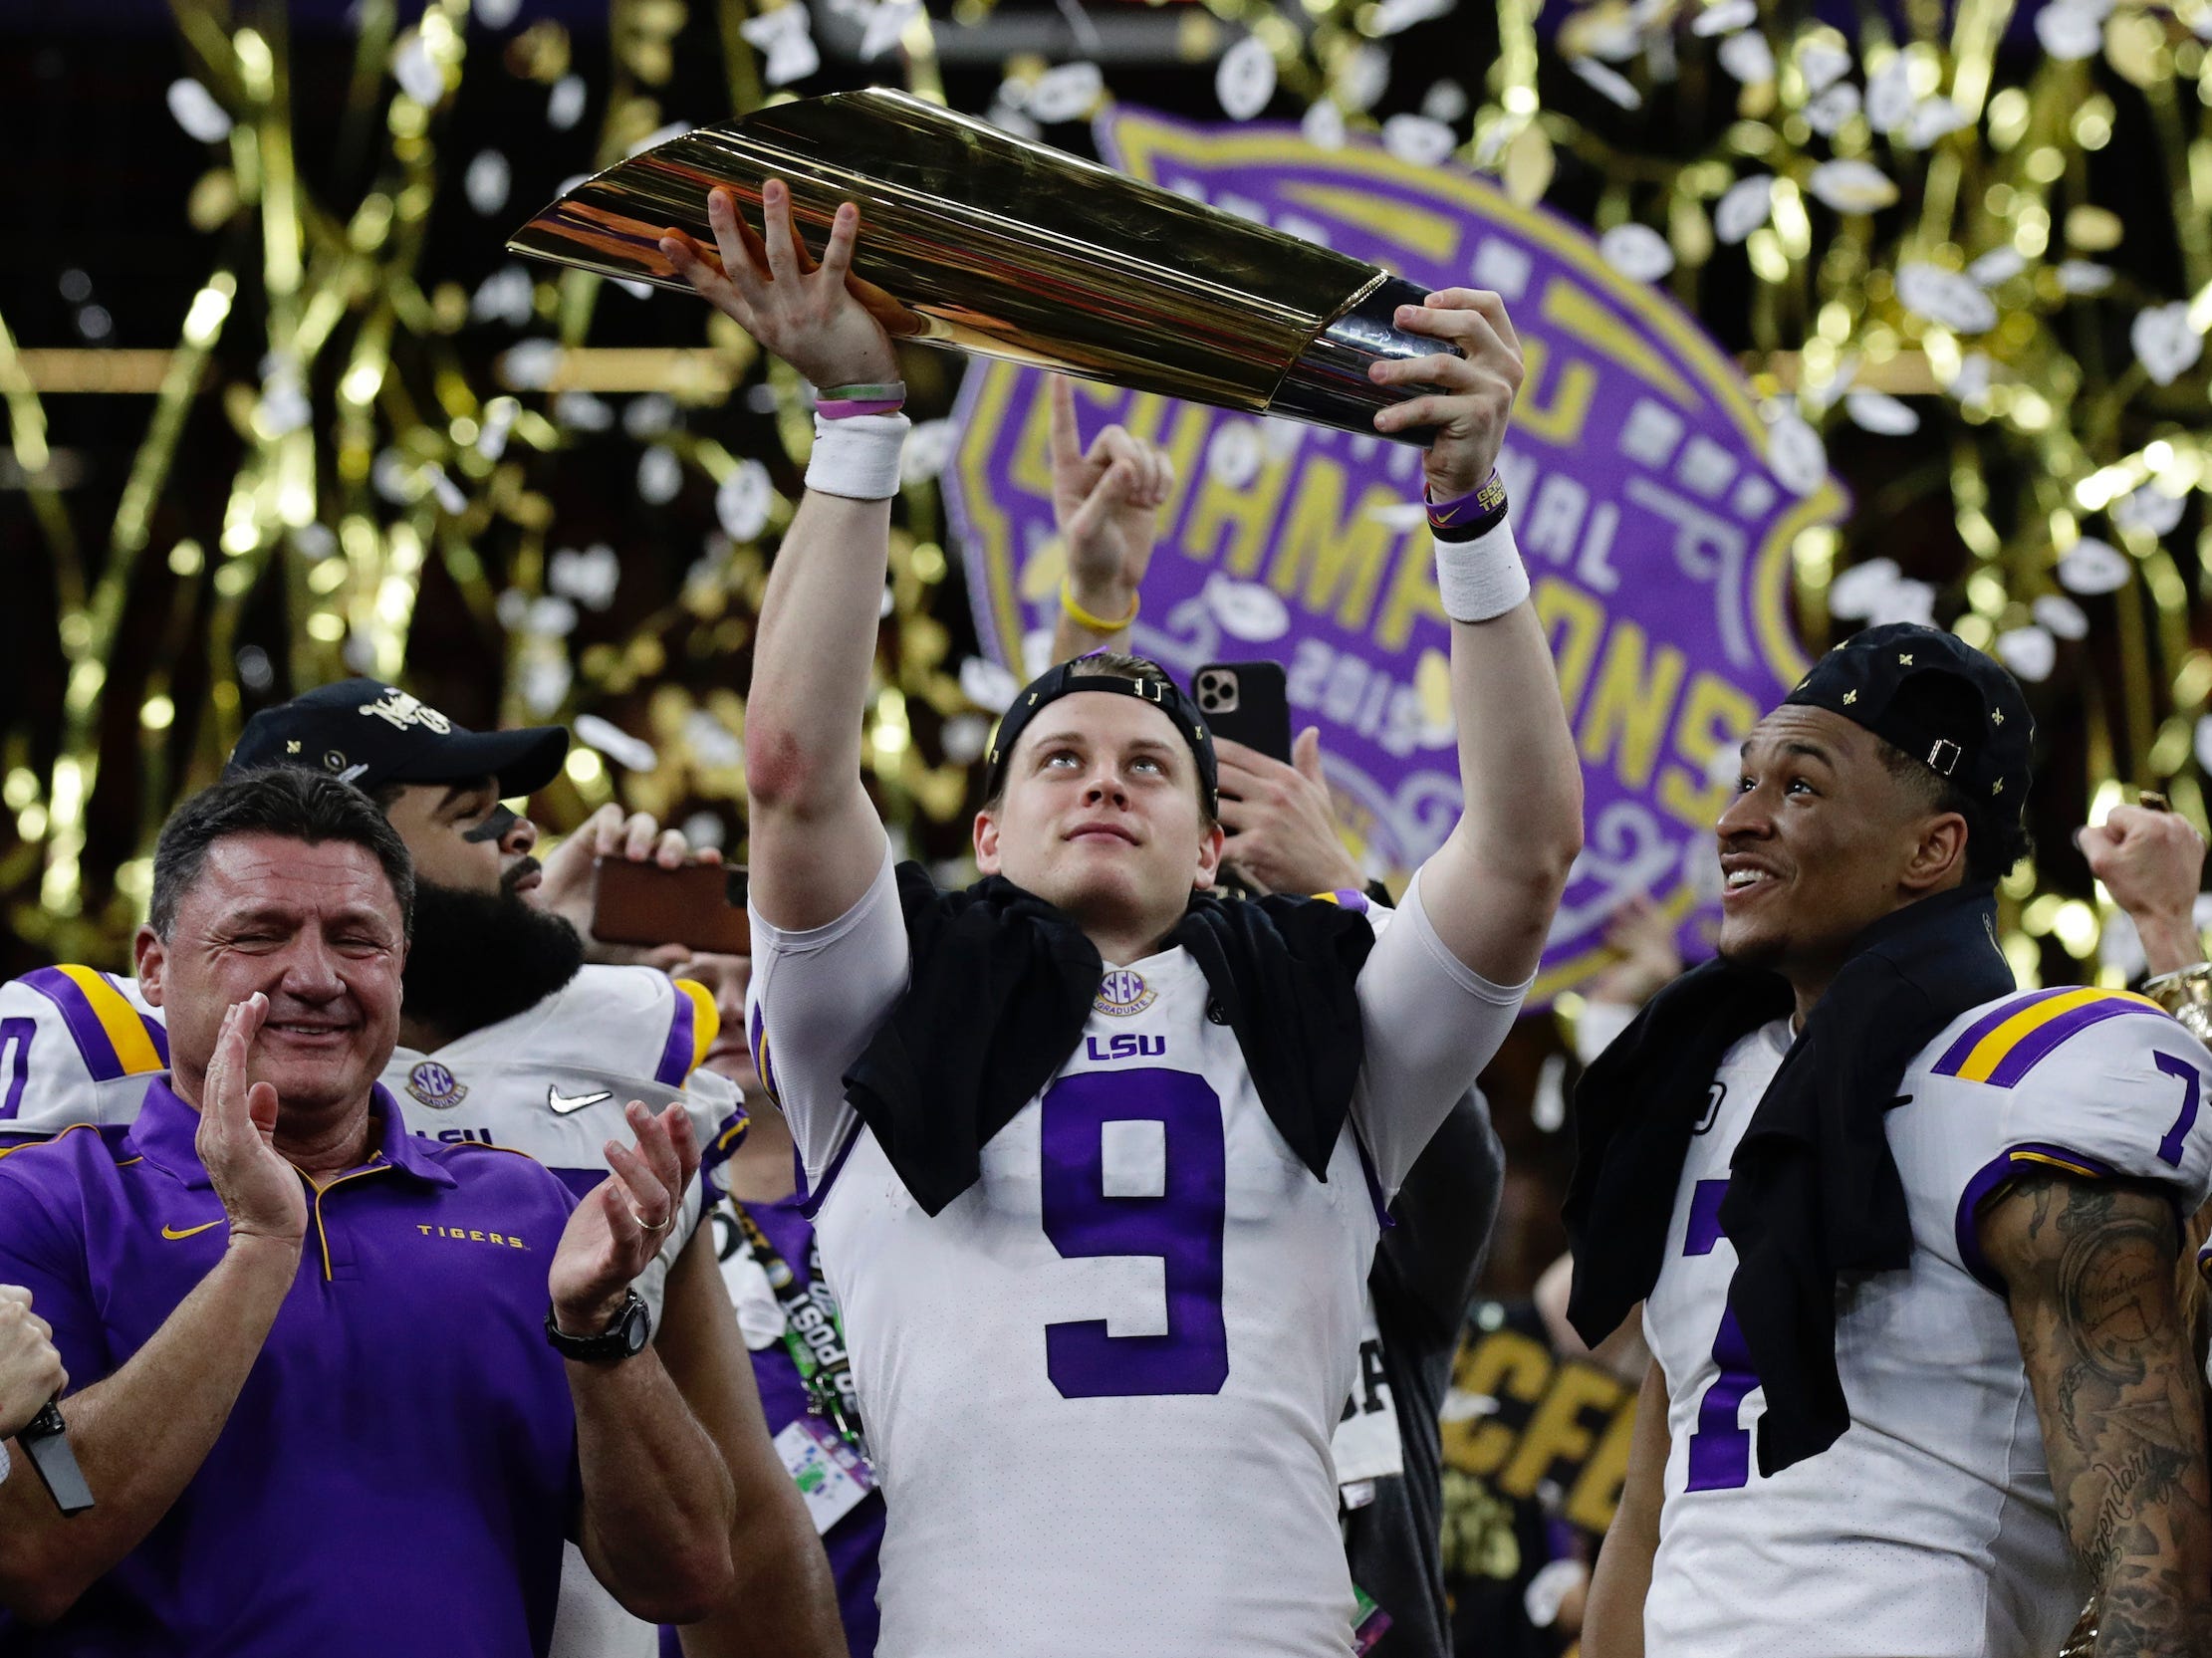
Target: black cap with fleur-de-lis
{"type": "Point", "coordinates": [1941, 701]}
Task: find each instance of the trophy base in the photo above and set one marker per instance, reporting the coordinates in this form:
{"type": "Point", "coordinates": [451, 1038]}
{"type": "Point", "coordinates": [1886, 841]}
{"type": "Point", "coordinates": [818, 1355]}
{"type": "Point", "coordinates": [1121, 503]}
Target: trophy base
{"type": "Point", "coordinates": [1328, 384]}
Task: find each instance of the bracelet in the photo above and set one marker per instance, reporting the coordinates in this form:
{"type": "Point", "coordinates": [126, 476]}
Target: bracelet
{"type": "Point", "coordinates": [1472, 515]}
{"type": "Point", "coordinates": [1480, 579]}
{"type": "Point", "coordinates": [858, 458]}
{"type": "Point", "coordinates": [2186, 993]}
{"type": "Point", "coordinates": [1097, 624]}
{"type": "Point", "coordinates": [843, 402]}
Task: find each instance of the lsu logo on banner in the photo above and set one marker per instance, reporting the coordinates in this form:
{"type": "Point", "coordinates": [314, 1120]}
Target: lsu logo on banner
{"type": "Point", "coordinates": [1656, 535]}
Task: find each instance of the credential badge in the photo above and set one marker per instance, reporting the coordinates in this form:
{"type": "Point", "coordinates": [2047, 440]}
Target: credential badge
{"type": "Point", "coordinates": [435, 1086]}
{"type": "Point", "coordinates": [1123, 993]}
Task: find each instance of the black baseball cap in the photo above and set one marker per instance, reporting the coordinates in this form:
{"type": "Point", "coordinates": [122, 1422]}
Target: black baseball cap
{"type": "Point", "coordinates": [1941, 701]}
{"type": "Point", "coordinates": [1080, 675]}
{"type": "Point", "coordinates": [371, 734]}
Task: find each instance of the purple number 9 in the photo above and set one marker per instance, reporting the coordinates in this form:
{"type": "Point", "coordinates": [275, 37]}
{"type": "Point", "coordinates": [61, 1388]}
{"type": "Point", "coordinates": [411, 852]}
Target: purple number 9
{"type": "Point", "coordinates": [15, 1042]}
{"type": "Point", "coordinates": [1720, 1448]}
{"type": "Point", "coordinates": [1182, 1225]}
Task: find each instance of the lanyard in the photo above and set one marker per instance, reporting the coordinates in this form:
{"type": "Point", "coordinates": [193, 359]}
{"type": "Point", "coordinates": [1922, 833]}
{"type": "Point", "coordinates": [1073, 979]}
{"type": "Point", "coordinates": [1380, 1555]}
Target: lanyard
{"type": "Point", "coordinates": [814, 1331]}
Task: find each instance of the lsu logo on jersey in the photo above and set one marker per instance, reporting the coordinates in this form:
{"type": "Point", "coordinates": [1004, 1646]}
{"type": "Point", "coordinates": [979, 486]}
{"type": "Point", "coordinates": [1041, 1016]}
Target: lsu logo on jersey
{"type": "Point", "coordinates": [435, 1086]}
{"type": "Point", "coordinates": [1123, 993]}
{"type": "Point", "coordinates": [1126, 1046]}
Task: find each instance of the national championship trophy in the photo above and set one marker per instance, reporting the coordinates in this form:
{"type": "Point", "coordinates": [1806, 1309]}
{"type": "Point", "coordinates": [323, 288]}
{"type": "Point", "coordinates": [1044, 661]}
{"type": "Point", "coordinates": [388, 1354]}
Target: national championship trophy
{"type": "Point", "coordinates": [974, 239]}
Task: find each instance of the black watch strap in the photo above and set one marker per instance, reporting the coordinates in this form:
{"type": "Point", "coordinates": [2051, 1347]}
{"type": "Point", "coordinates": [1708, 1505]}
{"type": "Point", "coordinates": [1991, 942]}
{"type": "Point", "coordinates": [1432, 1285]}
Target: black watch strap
{"type": "Point", "coordinates": [625, 1337]}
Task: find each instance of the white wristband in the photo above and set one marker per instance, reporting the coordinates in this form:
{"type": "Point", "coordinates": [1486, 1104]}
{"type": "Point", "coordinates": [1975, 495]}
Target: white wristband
{"type": "Point", "coordinates": [857, 457]}
{"type": "Point", "coordinates": [1480, 579]}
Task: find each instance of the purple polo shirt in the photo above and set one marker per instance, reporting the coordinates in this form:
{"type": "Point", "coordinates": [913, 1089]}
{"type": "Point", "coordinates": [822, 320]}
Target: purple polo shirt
{"type": "Point", "coordinates": [398, 1471]}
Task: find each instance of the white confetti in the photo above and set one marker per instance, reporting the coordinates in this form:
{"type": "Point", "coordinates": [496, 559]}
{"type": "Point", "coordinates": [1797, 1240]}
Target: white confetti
{"type": "Point", "coordinates": [2061, 617]}
{"type": "Point", "coordinates": [1720, 19]}
{"type": "Point", "coordinates": [2204, 742]}
{"type": "Point", "coordinates": [548, 618]}
{"type": "Point", "coordinates": [1393, 17]}
{"type": "Point", "coordinates": [450, 499]}
{"type": "Point", "coordinates": [499, 420]}
{"type": "Point", "coordinates": [1748, 58]}
{"type": "Point", "coordinates": [513, 609]}
{"type": "Point", "coordinates": [418, 72]}
{"type": "Point", "coordinates": [1417, 140]}
{"type": "Point", "coordinates": [1823, 63]}
{"type": "Point", "coordinates": [284, 404]}
{"type": "Point", "coordinates": [1859, 590]}
{"type": "Point", "coordinates": [963, 737]}
{"type": "Point", "coordinates": [582, 411]}
{"type": "Point", "coordinates": [649, 415]}
{"type": "Point", "coordinates": [1011, 120]}
{"type": "Point", "coordinates": [1930, 120]}
{"type": "Point", "coordinates": [1827, 113]}
{"type": "Point", "coordinates": [928, 448]}
{"type": "Point", "coordinates": [506, 296]}
{"type": "Point", "coordinates": [589, 578]}
{"type": "Point", "coordinates": [744, 500]}
{"type": "Point", "coordinates": [1636, 251]}
{"type": "Point", "coordinates": [703, 828]}
{"type": "Point", "coordinates": [1446, 101]}
{"type": "Point", "coordinates": [2085, 276]}
{"type": "Point", "coordinates": [660, 475]}
{"type": "Point", "coordinates": [713, 744]}
{"type": "Point", "coordinates": [196, 110]}
{"type": "Point", "coordinates": [1972, 378]}
{"type": "Point", "coordinates": [2150, 508]}
{"type": "Point", "coordinates": [487, 181]}
{"type": "Point", "coordinates": [1233, 457]}
{"type": "Point", "coordinates": [1795, 455]}
{"type": "Point", "coordinates": [1744, 208]}
{"type": "Point", "coordinates": [2094, 567]}
{"type": "Point", "coordinates": [989, 687]}
{"type": "Point", "coordinates": [886, 25]}
{"type": "Point", "coordinates": [1852, 186]}
{"type": "Point", "coordinates": [1322, 126]}
{"type": "Point", "coordinates": [314, 541]}
{"type": "Point", "coordinates": [2030, 652]}
{"type": "Point", "coordinates": [786, 35]}
{"type": "Point", "coordinates": [656, 138]}
{"type": "Point", "coordinates": [496, 14]}
{"type": "Point", "coordinates": [546, 679]}
{"type": "Point", "coordinates": [631, 753]}
{"type": "Point", "coordinates": [1364, 76]}
{"type": "Point", "coordinates": [1611, 83]}
{"type": "Point", "coordinates": [1245, 79]}
{"type": "Point", "coordinates": [530, 366]}
{"type": "Point", "coordinates": [565, 104]}
{"type": "Point", "coordinates": [1945, 296]}
{"type": "Point", "coordinates": [1068, 92]}
{"type": "Point", "coordinates": [1999, 265]}
{"type": "Point", "coordinates": [2166, 344]}
{"type": "Point", "coordinates": [2070, 33]}
{"type": "Point", "coordinates": [1889, 93]}
{"type": "Point", "coordinates": [1876, 412]}
{"type": "Point", "coordinates": [1248, 610]}
{"type": "Point", "coordinates": [395, 478]}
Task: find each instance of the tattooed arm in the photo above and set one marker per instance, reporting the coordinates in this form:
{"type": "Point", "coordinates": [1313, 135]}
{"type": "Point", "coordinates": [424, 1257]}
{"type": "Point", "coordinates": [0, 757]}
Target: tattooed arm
{"type": "Point", "coordinates": [2089, 1269]}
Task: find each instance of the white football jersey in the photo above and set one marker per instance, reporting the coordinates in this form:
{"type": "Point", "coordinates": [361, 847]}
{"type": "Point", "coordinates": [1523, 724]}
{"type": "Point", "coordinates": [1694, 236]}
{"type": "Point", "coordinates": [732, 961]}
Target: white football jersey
{"type": "Point", "coordinates": [1100, 1386]}
{"type": "Point", "coordinates": [1929, 1528]}
{"type": "Point", "coordinates": [78, 1047]}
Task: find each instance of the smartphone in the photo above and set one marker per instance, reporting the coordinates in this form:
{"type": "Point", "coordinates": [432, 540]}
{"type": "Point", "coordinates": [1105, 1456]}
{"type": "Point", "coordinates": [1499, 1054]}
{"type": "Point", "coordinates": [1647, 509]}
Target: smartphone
{"type": "Point", "coordinates": [1248, 703]}
{"type": "Point", "coordinates": [698, 905]}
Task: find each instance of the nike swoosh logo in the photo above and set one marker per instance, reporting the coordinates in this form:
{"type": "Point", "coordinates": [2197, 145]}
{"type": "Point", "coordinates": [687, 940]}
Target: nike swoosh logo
{"type": "Point", "coordinates": [563, 1104]}
{"type": "Point", "coordinates": [171, 1232]}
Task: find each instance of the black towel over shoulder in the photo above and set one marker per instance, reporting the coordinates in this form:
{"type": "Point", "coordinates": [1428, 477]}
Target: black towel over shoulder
{"type": "Point", "coordinates": [1001, 983]}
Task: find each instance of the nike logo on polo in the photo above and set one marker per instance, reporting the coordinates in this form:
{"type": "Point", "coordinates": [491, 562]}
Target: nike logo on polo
{"type": "Point", "coordinates": [563, 1104]}
{"type": "Point", "coordinates": [172, 1233]}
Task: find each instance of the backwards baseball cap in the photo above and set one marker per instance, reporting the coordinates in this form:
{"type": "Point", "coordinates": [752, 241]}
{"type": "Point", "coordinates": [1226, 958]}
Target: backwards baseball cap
{"type": "Point", "coordinates": [1079, 676]}
{"type": "Point", "coordinates": [371, 734]}
{"type": "Point", "coordinates": [1938, 699]}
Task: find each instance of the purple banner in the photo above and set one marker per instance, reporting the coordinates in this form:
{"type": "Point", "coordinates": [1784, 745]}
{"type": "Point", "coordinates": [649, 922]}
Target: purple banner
{"type": "Point", "coordinates": [1656, 530]}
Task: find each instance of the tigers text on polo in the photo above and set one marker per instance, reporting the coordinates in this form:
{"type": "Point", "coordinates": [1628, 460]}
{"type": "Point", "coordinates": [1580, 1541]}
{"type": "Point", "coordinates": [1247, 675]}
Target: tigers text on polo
{"type": "Point", "coordinates": [399, 1469]}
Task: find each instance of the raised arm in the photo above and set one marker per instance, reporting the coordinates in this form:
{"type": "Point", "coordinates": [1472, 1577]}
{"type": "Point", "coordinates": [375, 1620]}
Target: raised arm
{"type": "Point", "coordinates": [1106, 499]}
{"type": "Point", "coordinates": [1493, 886]}
{"type": "Point", "coordinates": [816, 839]}
{"type": "Point", "coordinates": [2152, 864]}
{"type": "Point", "coordinates": [141, 1434]}
{"type": "Point", "coordinates": [2090, 1271]}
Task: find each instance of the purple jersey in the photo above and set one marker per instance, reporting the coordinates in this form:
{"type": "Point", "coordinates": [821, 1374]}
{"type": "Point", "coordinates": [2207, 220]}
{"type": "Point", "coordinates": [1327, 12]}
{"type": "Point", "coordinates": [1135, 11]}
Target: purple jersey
{"type": "Point", "coordinates": [402, 1456]}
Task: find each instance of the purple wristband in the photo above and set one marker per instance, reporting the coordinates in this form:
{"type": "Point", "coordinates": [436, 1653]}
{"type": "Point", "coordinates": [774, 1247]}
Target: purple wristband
{"type": "Point", "coordinates": [1479, 506]}
{"type": "Point", "coordinates": [843, 409]}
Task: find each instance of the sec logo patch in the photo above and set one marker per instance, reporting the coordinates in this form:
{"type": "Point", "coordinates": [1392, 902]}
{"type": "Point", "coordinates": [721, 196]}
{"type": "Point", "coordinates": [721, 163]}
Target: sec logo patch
{"type": "Point", "coordinates": [1122, 993]}
{"type": "Point", "coordinates": [435, 1086]}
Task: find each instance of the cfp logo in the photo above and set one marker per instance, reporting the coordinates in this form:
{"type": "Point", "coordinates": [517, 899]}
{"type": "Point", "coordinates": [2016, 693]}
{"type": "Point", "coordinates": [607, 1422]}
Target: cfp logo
{"type": "Point", "coordinates": [402, 710]}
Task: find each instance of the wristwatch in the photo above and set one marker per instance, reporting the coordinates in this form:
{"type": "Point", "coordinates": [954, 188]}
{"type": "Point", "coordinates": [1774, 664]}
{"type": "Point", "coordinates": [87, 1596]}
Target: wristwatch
{"type": "Point", "coordinates": [624, 1339]}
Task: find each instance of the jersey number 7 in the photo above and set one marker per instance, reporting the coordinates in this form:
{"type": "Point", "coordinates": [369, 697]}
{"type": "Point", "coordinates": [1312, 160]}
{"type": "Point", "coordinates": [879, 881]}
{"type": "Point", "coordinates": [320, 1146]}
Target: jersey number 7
{"type": "Point", "coordinates": [1720, 1448]}
{"type": "Point", "coordinates": [1181, 1224]}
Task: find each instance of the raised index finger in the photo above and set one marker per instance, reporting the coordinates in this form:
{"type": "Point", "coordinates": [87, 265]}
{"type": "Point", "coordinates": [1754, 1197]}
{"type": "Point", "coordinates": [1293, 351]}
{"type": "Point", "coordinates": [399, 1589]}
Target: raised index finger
{"type": "Point", "coordinates": [1067, 441]}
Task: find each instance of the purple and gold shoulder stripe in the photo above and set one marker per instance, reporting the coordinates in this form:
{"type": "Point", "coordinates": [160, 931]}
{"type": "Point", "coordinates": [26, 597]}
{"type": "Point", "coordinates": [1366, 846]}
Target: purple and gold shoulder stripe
{"type": "Point", "coordinates": [1358, 902]}
{"type": "Point", "coordinates": [690, 1032]}
{"type": "Point", "coordinates": [2017, 1035]}
{"type": "Point", "coordinates": [114, 1037]}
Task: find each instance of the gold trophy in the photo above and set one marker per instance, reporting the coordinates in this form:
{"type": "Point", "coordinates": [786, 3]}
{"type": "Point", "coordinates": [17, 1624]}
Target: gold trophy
{"type": "Point", "coordinates": [977, 240]}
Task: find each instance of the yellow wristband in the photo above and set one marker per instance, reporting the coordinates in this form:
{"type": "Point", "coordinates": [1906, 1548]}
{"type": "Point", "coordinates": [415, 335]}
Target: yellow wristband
{"type": "Point", "coordinates": [1081, 617]}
